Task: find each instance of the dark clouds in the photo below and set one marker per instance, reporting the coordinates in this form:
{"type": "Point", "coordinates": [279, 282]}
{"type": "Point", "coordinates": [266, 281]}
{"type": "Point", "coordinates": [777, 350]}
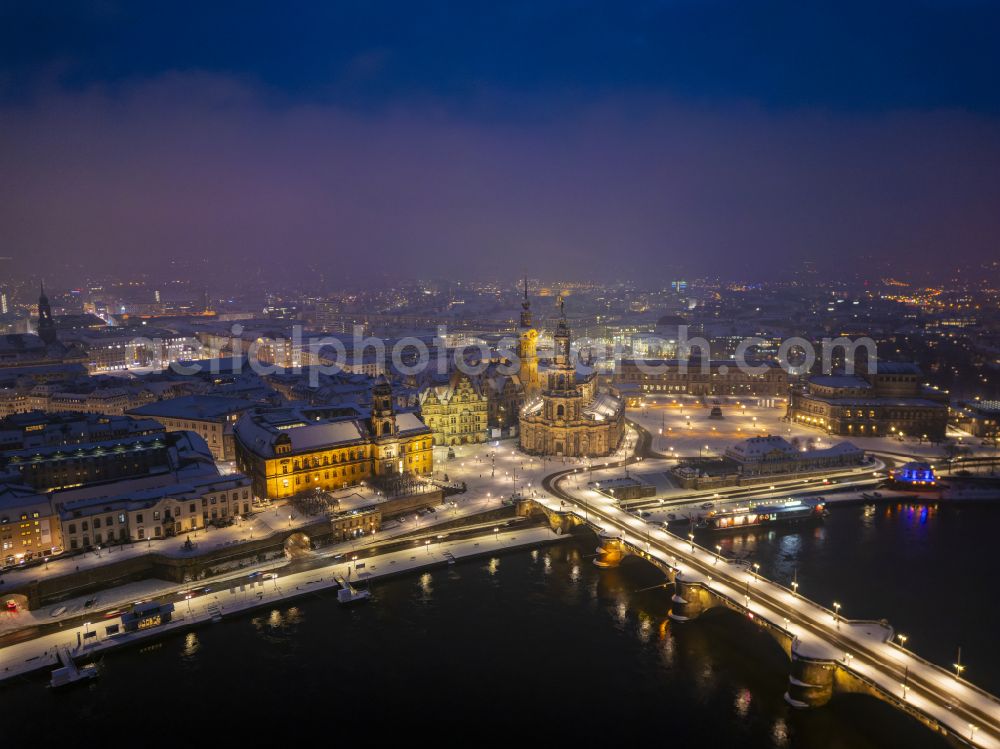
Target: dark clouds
{"type": "Point", "coordinates": [841, 54]}
{"type": "Point", "coordinates": [661, 139]}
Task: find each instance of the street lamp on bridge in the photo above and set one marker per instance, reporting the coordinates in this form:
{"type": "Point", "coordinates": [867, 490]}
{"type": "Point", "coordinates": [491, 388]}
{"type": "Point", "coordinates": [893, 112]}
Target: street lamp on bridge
{"type": "Point", "coordinates": [902, 641]}
{"type": "Point", "coordinates": [691, 539]}
{"type": "Point", "coordinates": [718, 553]}
{"type": "Point", "coordinates": [836, 615]}
{"type": "Point", "coordinates": [959, 668]}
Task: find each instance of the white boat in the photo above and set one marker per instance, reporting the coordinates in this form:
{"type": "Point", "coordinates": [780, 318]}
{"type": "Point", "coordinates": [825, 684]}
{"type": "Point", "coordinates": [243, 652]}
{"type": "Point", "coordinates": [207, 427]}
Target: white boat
{"type": "Point", "coordinates": [59, 611]}
{"type": "Point", "coordinates": [69, 673]}
{"type": "Point", "coordinates": [352, 595]}
{"type": "Point", "coordinates": [348, 593]}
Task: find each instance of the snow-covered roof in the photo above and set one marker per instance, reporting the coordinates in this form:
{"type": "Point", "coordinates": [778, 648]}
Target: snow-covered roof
{"type": "Point", "coordinates": [259, 431]}
{"type": "Point", "coordinates": [132, 498]}
{"type": "Point", "coordinates": [194, 407]}
{"type": "Point", "coordinates": [840, 381]}
{"type": "Point", "coordinates": [409, 422]}
{"type": "Point", "coordinates": [774, 447]}
{"type": "Point", "coordinates": [315, 436]}
{"type": "Point", "coordinates": [756, 448]}
{"type": "Point", "coordinates": [604, 407]}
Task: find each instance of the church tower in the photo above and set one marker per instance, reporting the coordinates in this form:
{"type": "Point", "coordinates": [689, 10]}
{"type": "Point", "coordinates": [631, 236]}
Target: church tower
{"type": "Point", "coordinates": [562, 401]}
{"type": "Point", "coordinates": [527, 347]}
{"type": "Point", "coordinates": [383, 414]}
{"type": "Point", "coordinates": [46, 325]}
{"type": "Point", "coordinates": [386, 449]}
{"type": "Point", "coordinates": [562, 359]}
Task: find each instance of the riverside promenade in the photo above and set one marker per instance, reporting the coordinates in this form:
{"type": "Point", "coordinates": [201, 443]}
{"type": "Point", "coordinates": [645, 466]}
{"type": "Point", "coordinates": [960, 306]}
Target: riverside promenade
{"type": "Point", "coordinates": [261, 590]}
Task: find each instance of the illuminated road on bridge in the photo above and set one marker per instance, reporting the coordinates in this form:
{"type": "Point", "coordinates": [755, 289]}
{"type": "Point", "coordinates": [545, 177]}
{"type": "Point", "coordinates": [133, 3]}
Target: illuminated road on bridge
{"type": "Point", "coordinates": [866, 649]}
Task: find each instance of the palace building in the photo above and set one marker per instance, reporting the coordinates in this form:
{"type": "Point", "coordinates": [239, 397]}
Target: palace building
{"type": "Point", "coordinates": [290, 450]}
{"type": "Point", "coordinates": [568, 419]}
{"type": "Point", "coordinates": [456, 411]}
{"type": "Point", "coordinates": [886, 402]}
{"type": "Point", "coordinates": [701, 377]}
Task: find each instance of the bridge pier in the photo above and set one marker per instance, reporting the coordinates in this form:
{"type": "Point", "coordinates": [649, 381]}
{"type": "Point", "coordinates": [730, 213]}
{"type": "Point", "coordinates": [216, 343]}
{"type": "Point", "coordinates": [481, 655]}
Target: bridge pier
{"type": "Point", "coordinates": [611, 551]}
{"type": "Point", "coordinates": [688, 601]}
{"type": "Point", "coordinates": [811, 682]}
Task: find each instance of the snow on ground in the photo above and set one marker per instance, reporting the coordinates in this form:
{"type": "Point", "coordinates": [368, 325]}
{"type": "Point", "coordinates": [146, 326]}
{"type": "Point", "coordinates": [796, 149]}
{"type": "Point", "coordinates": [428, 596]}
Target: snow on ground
{"type": "Point", "coordinates": [682, 427]}
{"type": "Point", "coordinates": [243, 594]}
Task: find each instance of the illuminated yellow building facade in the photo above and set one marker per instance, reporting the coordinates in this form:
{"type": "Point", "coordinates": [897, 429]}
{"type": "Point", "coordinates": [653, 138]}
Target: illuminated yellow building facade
{"type": "Point", "coordinates": [456, 412]}
{"type": "Point", "coordinates": [29, 527]}
{"type": "Point", "coordinates": [288, 451]}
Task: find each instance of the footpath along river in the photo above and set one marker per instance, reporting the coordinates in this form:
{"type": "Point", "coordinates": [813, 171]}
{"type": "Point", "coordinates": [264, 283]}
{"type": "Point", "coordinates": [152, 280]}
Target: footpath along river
{"type": "Point", "coordinates": [541, 644]}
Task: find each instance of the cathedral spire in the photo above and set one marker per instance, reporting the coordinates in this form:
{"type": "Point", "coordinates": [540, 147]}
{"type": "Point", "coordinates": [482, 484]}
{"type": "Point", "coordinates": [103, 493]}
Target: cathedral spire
{"type": "Point", "coordinates": [526, 306]}
{"type": "Point", "coordinates": [46, 325]}
{"type": "Point", "coordinates": [562, 337]}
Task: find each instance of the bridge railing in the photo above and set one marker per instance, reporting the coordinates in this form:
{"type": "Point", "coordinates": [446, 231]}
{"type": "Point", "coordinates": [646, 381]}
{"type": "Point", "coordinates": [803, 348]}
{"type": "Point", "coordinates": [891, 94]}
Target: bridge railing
{"type": "Point", "coordinates": [833, 614]}
{"type": "Point", "coordinates": [902, 704]}
{"type": "Point", "coordinates": [964, 682]}
{"type": "Point", "coordinates": [880, 622]}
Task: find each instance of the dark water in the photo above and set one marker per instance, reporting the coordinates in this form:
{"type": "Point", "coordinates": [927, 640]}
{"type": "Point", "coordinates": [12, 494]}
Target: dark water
{"type": "Point", "coordinates": [541, 645]}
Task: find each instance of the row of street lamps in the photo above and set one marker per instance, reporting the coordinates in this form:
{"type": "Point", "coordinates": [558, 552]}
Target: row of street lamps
{"type": "Point", "coordinates": [957, 665]}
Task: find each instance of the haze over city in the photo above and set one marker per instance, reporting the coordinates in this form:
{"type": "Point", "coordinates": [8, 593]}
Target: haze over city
{"type": "Point", "coordinates": [461, 141]}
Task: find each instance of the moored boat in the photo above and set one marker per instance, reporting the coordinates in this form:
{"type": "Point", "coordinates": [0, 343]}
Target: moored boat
{"type": "Point", "coordinates": [780, 513]}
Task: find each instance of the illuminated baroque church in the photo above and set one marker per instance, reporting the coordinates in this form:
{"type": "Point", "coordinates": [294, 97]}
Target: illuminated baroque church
{"type": "Point", "coordinates": [569, 419]}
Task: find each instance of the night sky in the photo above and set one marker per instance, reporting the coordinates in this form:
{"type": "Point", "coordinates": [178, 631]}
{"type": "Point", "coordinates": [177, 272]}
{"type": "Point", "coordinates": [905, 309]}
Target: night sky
{"type": "Point", "coordinates": [577, 140]}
